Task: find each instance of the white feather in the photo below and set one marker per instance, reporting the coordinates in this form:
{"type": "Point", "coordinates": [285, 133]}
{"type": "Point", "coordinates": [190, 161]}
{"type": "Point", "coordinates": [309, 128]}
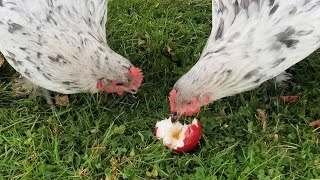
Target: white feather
{"type": "Point", "coordinates": [251, 41]}
{"type": "Point", "coordinates": [60, 45]}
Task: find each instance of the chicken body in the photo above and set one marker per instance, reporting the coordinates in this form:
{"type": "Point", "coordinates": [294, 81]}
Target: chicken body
{"type": "Point", "coordinates": [251, 42]}
{"type": "Point", "coordinates": [61, 46]}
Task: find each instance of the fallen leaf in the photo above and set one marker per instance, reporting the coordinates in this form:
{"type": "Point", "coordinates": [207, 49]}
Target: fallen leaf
{"type": "Point", "coordinates": [62, 101]}
{"type": "Point", "coordinates": [22, 87]}
{"type": "Point", "coordinates": [141, 42]}
{"type": "Point", "coordinates": [115, 168]}
{"type": "Point", "coordinates": [97, 148]}
{"type": "Point", "coordinates": [82, 171]}
{"type": "Point", "coordinates": [170, 51]}
{"type": "Point", "coordinates": [315, 123]}
{"type": "Point", "coordinates": [222, 112]}
{"type": "Point", "coordinates": [55, 128]}
{"type": "Point", "coordinates": [290, 99]}
{"type": "Point", "coordinates": [276, 138]}
{"type": "Point", "coordinates": [262, 116]}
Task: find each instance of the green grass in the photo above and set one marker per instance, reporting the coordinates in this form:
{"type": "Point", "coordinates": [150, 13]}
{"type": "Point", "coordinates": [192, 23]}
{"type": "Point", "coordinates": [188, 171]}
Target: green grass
{"type": "Point", "coordinates": [36, 143]}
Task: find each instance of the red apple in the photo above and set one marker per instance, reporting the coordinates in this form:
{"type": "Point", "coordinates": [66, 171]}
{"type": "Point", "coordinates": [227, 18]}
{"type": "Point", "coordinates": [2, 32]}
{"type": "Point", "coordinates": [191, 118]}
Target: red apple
{"type": "Point", "coordinates": [179, 137]}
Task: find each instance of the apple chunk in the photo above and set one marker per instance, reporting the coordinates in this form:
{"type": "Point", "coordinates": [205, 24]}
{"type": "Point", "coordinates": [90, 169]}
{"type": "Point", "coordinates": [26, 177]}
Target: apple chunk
{"type": "Point", "coordinates": [179, 137]}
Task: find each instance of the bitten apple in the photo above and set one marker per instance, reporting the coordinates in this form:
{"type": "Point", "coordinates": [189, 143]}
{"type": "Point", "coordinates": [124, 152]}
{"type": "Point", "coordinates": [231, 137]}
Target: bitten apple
{"type": "Point", "coordinates": [179, 137]}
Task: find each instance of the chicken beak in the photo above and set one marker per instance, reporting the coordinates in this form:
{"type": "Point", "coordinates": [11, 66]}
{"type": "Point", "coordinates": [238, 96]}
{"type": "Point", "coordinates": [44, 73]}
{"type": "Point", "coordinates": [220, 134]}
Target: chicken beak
{"type": "Point", "coordinates": [174, 117]}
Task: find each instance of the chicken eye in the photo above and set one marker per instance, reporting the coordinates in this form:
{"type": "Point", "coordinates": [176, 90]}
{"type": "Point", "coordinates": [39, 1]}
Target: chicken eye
{"type": "Point", "coordinates": [189, 102]}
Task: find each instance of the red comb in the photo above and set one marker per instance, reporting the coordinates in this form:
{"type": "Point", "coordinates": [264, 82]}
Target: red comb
{"type": "Point", "coordinates": [172, 97]}
{"type": "Point", "coordinates": [137, 77]}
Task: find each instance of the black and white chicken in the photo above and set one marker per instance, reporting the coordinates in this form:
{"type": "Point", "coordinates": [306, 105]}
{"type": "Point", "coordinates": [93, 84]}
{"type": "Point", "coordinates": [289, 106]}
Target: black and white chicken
{"type": "Point", "coordinates": [251, 42]}
{"type": "Point", "coordinates": [60, 45]}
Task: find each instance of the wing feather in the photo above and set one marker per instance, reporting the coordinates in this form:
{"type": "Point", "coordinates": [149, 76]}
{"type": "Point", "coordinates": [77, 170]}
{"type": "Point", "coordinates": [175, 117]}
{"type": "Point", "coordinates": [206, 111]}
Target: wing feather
{"type": "Point", "coordinates": [41, 38]}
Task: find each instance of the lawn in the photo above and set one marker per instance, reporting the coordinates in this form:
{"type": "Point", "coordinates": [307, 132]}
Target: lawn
{"type": "Point", "coordinates": [110, 137]}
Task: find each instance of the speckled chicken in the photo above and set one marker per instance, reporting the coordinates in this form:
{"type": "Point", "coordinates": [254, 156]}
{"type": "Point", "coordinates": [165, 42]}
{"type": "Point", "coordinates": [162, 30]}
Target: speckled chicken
{"type": "Point", "coordinates": [60, 45]}
{"type": "Point", "coordinates": [251, 42]}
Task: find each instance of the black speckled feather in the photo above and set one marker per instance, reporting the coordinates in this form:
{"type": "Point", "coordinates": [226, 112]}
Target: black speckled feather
{"type": "Point", "coordinates": [253, 40]}
{"type": "Point", "coordinates": [52, 42]}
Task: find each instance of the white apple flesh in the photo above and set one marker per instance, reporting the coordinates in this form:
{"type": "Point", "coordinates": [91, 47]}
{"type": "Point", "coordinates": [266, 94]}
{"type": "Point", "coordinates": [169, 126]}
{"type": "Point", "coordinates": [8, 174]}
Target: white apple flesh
{"type": "Point", "coordinates": [179, 137]}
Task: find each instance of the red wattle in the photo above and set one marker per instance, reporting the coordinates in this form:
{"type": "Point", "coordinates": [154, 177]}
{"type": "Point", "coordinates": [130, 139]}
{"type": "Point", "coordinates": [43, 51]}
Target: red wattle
{"type": "Point", "coordinates": [99, 85]}
{"type": "Point", "coordinates": [136, 76]}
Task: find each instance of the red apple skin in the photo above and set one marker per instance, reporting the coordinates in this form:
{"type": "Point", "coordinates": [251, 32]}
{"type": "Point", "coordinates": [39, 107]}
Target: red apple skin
{"type": "Point", "coordinates": [192, 137]}
{"type": "Point", "coordinates": [191, 140]}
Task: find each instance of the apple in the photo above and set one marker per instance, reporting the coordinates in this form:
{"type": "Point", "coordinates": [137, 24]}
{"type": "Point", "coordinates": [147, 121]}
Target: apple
{"type": "Point", "coordinates": [180, 138]}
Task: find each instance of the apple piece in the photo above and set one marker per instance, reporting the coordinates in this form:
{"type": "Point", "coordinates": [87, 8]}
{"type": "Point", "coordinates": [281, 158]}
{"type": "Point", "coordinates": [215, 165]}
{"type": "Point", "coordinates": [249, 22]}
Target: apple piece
{"type": "Point", "coordinates": [178, 137]}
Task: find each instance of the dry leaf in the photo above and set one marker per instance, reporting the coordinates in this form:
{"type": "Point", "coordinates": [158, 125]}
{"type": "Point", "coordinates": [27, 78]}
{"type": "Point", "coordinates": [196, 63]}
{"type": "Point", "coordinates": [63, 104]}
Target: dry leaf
{"type": "Point", "coordinates": [170, 51]}
{"type": "Point", "coordinates": [55, 128]}
{"type": "Point", "coordinates": [315, 123]}
{"type": "Point", "coordinates": [97, 148]}
{"type": "Point", "coordinates": [263, 118]}
{"type": "Point", "coordinates": [115, 168]}
{"type": "Point", "coordinates": [222, 112]}
{"type": "Point", "coordinates": [141, 42]}
{"type": "Point", "coordinates": [82, 171]}
{"type": "Point", "coordinates": [62, 101]}
{"type": "Point", "coordinates": [290, 99]}
{"type": "Point", "coordinates": [276, 138]}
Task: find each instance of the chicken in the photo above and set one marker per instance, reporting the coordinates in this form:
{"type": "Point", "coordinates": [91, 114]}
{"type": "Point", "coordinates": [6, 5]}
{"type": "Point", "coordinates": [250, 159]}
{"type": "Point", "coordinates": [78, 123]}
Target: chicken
{"type": "Point", "coordinates": [60, 45]}
{"type": "Point", "coordinates": [251, 42]}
